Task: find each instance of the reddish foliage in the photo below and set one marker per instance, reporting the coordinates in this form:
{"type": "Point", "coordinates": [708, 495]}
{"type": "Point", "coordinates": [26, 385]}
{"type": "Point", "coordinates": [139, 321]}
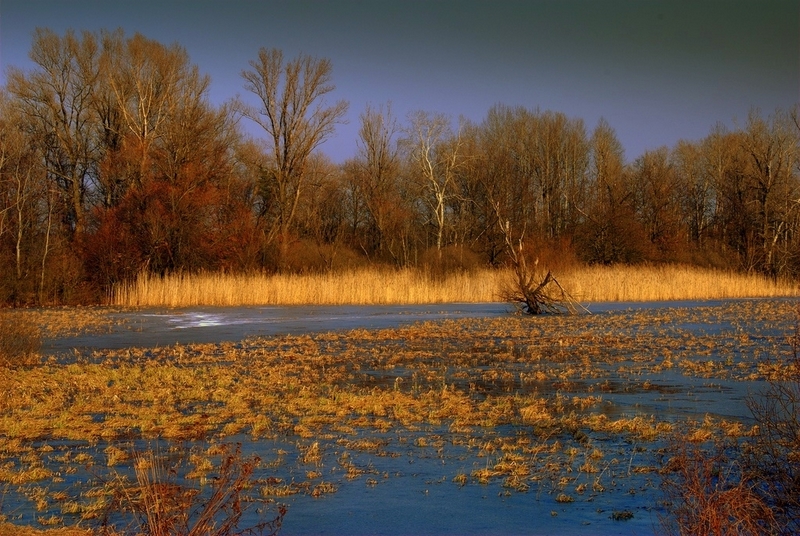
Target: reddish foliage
{"type": "Point", "coordinates": [167, 226]}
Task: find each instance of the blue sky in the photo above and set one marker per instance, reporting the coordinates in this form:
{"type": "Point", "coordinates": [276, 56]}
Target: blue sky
{"type": "Point", "coordinates": [658, 71]}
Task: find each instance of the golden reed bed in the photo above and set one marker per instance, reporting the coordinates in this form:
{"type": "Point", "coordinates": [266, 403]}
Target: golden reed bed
{"type": "Point", "coordinates": [374, 287]}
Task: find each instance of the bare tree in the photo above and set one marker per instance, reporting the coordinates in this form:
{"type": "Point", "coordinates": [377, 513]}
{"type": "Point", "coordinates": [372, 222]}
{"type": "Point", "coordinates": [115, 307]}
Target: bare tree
{"type": "Point", "coordinates": [536, 291]}
{"type": "Point", "coordinates": [149, 84]}
{"type": "Point", "coordinates": [322, 213]}
{"type": "Point", "coordinates": [375, 171]}
{"type": "Point", "coordinates": [772, 147]}
{"type": "Point", "coordinates": [435, 153]}
{"type": "Point", "coordinates": [293, 114]}
{"type": "Point", "coordinates": [559, 161]}
{"type": "Point", "coordinates": [611, 233]}
{"type": "Point", "coordinates": [56, 98]}
{"type": "Point", "coordinates": [22, 197]}
{"type": "Point", "coordinates": [658, 199]}
{"type": "Point", "coordinates": [733, 217]}
{"type": "Point", "coordinates": [696, 191]}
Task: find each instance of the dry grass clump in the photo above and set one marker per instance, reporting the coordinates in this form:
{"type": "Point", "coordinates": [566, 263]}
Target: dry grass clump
{"type": "Point", "coordinates": [9, 529]}
{"type": "Point", "coordinates": [61, 321]}
{"type": "Point", "coordinates": [708, 494]}
{"type": "Point", "coordinates": [408, 286]}
{"type": "Point", "coordinates": [20, 341]}
{"type": "Point", "coordinates": [163, 506]}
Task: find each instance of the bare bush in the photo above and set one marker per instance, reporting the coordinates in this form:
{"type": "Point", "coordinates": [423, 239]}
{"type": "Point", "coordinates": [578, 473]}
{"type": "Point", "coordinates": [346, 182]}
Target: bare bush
{"type": "Point", "coordinates": [707, 493]}
{"type": "Point", "coordinates": [164, 506]}
{"type": "Point", "coordinates": [20, 342]}
{"type": "Point", "coordinates": [535, 291]}
{"type": "Point", "coordinates": [773, 457]}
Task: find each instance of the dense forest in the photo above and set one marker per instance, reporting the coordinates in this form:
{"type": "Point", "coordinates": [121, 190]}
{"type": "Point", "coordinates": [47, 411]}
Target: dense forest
{"type": "Point", "coordinates": [113, 162]}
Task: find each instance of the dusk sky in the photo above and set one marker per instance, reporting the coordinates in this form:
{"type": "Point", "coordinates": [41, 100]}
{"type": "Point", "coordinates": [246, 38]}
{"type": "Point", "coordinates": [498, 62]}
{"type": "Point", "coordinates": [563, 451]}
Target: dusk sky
{"type": "Point", "coordinates": [658, 71]}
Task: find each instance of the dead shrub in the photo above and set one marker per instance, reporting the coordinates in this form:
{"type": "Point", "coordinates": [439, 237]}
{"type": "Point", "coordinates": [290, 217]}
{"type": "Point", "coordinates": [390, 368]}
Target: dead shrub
{"type": "Point", "coordinates": [708, 493]}
{"type": "Point", "coordinates": [164, 506]}
{"type": "Point", "coordinates": [20, 341]}
{"type": "Point", "coordinates": [772, 458]}
{"type": "Point", "coordinates": [747, 487]}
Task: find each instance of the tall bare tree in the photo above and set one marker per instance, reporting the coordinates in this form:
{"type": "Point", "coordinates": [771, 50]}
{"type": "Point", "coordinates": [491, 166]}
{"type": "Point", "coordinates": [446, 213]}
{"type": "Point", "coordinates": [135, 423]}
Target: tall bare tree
{"type": "Point", "coordinates": [322, 214]}
{"type": "Point", "coordinates": [772, 147]}
{"type": "Point", "coordinates": [57, 97]}
{"type": "Point", "coordinates": [296, 119]}
{"type": "Point", "coordinates": [375, 172]}
{"type": "Point", "coordinates": [25, 207]}
{"type": "Point", "coordinates": [658, 199]}
{"type": "Point", "coordinates": [696, 192]}
{"type": "Point", "coordinates": [150, 86]}
{"type": "Point", "coordinates": [560, 158]}
{"type": "Point", "coordinates": [611, 233]}
{"type": "Point", "coordinates": [435, 154]}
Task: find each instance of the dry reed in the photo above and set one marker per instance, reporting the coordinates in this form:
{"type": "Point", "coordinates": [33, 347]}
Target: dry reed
{"type": "Point", "coordinates": [405, 287]}
{"type": "Point", "coordinates": [669, 283]}
{"type": "Point", "coordinates": [364, 287]}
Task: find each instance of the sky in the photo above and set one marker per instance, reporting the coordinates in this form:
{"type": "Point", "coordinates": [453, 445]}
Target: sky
{"type": "Point", "coordinates": [657, 70]}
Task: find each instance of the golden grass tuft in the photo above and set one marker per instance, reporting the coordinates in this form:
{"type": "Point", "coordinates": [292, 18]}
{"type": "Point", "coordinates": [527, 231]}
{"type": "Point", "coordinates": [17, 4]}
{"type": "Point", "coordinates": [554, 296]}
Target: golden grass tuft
{"type": "Point", "coordinates": [9, 529]}
{"type": "Point", "coordinates": [408, 287]}
{"type": "Point", "coordinates": [20, 341]}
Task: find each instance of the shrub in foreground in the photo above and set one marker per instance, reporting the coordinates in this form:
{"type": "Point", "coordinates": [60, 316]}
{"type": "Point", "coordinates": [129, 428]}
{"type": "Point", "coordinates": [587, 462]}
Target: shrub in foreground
{"type": "Point", "coordinates": [707, 493]}
{"type": "Point", "coordinates": [773, 457]}
{"type": "Point", "coordinates": [164, 505]}
{"type": "Point", "coordinates": [748, 487]}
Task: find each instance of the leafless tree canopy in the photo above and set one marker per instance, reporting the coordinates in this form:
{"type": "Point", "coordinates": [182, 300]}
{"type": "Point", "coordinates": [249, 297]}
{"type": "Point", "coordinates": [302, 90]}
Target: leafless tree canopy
{"type": "Point", "coordinates": [114, 162]}
{"type": "Point", "coordinates": [296, 119]}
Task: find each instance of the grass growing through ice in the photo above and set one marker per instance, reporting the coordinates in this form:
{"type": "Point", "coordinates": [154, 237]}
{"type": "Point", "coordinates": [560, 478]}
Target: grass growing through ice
{"type": "Point", "coordinates": [373, 286]}
{"type": "Point", "coordinates": [21, 330]}
{"type": "Point", "coordinates": [529, 401]}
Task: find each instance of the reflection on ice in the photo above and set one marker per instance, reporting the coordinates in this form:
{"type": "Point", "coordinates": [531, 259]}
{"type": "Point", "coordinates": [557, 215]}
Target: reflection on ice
{"type": "Point", "coordinates": [196, 320]}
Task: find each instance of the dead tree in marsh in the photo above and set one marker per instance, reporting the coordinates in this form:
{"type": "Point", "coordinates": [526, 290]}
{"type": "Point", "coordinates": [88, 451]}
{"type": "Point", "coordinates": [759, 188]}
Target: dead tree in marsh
{"type": "Point", "coordinates": [532, 291]}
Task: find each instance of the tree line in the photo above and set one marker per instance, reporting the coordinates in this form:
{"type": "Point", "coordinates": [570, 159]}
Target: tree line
{"type": "Point", "coordinates": [114, 162]}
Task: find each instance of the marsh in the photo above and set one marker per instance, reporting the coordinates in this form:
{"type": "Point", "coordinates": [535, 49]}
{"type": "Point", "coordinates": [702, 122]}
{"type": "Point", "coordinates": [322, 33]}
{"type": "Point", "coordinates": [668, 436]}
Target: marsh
{"type": "Point", "coordinates": [435, 420]}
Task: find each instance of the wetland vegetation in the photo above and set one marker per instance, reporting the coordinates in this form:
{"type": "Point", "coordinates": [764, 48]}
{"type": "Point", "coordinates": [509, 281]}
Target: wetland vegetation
{"type": "Point", "coordinates": [568, 411]}
{"type": "Point", "coordinates": [376, 286]}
